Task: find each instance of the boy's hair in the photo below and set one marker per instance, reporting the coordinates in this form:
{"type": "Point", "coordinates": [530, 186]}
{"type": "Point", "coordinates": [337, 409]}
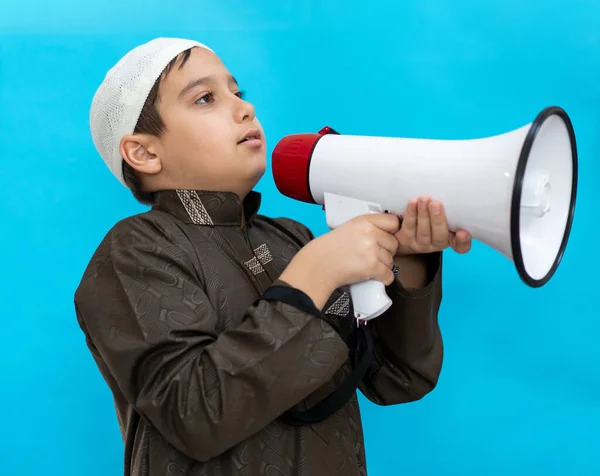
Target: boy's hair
{"type": "Point", "coordinates": [150, 123]}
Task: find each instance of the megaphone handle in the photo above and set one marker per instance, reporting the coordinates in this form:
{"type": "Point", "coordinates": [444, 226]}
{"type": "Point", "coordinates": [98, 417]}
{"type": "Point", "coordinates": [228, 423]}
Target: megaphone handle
{"type": "Point", "coordinates": [369, 299]}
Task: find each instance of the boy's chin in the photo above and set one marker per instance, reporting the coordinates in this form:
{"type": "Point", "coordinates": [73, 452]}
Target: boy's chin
{"type": "Point", "coordinates": [260, 173]}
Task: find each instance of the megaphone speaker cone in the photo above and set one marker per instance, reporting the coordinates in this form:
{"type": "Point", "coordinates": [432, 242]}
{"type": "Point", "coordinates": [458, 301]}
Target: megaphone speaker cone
{"type": "Point", "coordinates": [544, 196]}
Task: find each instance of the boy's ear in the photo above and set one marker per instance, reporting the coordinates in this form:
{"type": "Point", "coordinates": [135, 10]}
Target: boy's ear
{"type": "Point", "coordinates": [138, 150]}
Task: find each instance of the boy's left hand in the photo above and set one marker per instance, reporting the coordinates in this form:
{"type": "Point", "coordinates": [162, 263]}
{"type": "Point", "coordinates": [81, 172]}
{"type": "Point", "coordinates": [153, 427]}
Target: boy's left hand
{"type": "Point", "coordinates": [424, 229]}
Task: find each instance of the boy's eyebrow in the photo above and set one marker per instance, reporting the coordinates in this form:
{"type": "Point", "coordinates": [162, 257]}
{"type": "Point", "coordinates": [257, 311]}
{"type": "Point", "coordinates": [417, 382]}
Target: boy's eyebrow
{"type": "Point", "coordinates": [202, 81]}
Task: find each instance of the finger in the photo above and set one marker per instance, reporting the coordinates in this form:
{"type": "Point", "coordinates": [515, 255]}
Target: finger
{"type": "Point", "coordinates": [387, 222]}
{"type": "Point", "coordinates": [452, 238]}
{"type": "Point", "coordinates": [387, 241]}
{"type": "Point", "coordinates": [409, 221]}
{"type": "Point", "coordinates": [461, 242]}
{"type": "Point", "coordinates": [423, 222]}
{"type": "Point", "coordinates": [439, 225]}
{"type": "Point", "coordinates": [465, 241]}
{"type": "Point", "coordinates": [384, 274]}
{"type": "Point", "coordinates": [385, 258]}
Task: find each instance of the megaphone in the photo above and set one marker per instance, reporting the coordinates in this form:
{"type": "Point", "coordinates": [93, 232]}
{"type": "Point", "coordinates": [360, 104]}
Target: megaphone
{"type": "Point", "coordinates": [514, 192]}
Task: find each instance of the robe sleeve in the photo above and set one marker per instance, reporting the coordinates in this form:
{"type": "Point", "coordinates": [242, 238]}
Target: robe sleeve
{"type": "Point", "coordinates": [408, 345]}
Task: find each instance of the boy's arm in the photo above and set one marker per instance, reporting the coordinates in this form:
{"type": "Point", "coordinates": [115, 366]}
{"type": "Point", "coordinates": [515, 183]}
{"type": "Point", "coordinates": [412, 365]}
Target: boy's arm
{"type": "Point", "coordinates": [148, 318]}
{"type": "Point", "coordinates": [408, 343]}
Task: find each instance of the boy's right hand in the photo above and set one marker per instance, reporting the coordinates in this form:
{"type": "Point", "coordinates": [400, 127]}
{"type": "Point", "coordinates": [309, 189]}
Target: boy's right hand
{"type": "Point", "coordinates": [360, 249]}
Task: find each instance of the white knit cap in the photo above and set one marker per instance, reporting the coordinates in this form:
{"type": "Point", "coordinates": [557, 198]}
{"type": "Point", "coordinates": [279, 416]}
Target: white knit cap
{"type": "Point", "coordinates": [119, 100]}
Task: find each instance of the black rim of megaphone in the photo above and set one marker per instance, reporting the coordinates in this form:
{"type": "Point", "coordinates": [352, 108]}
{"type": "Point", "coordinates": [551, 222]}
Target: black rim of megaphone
{"type": "Point", "coordinates": [518, 188]}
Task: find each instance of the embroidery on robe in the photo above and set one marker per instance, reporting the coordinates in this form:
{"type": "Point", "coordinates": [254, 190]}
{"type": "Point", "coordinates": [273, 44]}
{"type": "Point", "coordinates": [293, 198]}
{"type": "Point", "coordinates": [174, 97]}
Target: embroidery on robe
{"type": "Point", "coordinates": [262, 256]}
{"type": "Point", "coordinates": [194, 207]}
{"type": "Point", "coordinates": [254, 266]}
{"type": "Point", "coordinates": [341, 307]}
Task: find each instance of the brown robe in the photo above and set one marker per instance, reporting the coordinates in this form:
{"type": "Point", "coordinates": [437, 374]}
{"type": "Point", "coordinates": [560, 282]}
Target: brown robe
{"type": "Point", "coordinates": [206, 351]}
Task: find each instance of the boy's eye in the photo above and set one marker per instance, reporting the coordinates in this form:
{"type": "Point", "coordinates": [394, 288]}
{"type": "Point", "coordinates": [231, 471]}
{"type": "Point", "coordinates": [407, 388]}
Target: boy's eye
{"type": "Point", "coordinates": [209, 97]}
{"type": "Point", "coordinates": [204, 99]}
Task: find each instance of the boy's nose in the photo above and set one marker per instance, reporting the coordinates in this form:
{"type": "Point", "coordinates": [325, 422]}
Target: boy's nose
{"type": "Point", "coordinates": [245, 111]}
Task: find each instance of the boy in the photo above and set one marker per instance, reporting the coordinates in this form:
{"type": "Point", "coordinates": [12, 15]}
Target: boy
{"type": "Point", "coordinates": [226, 337]}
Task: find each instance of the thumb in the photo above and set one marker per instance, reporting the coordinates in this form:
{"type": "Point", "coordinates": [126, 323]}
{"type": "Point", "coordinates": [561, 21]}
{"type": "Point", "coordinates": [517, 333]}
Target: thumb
{"type": "Point", "coordinates": [385, 221]}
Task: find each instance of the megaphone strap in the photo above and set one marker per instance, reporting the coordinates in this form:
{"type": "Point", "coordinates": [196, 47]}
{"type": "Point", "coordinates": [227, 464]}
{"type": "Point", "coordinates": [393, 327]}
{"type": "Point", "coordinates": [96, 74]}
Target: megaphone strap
{"type": "Point", "coordinates": [360, 343]}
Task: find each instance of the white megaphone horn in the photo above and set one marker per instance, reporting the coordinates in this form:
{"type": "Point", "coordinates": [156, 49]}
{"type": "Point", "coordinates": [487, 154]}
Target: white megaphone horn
{"type": "Point", "coordinates": [514, 192]}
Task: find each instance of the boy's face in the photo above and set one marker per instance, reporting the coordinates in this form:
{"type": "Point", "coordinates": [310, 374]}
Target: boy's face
{"type": "Point", "coordinates": [206, 122]}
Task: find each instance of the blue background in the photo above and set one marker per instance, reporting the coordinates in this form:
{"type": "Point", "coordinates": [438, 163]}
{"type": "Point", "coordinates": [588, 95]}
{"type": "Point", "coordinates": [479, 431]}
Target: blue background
{"type": "Point", "coordinates": [519, 392]}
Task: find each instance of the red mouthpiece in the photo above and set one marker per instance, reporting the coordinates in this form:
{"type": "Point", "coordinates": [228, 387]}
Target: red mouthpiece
{"type": "Point", "coordinates": [291, 164]}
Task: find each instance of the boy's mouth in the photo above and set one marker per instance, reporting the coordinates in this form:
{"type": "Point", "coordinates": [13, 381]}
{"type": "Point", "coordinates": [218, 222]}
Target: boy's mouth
{"type": "Point", "coordinates": [252, 137]}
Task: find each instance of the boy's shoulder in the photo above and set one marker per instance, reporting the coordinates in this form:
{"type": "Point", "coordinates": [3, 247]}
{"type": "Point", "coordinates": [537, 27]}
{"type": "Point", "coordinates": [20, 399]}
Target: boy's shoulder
{"type": "Point", "coordinates": [152, 226]}
{"type": "Point", "coordinates": [143, 233]}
